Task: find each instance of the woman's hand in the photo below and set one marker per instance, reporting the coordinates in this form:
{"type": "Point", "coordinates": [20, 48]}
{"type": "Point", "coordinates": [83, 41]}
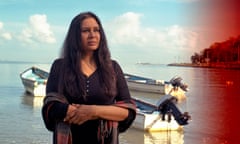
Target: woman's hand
{"type": "Point", "coordinates": [78, 114]}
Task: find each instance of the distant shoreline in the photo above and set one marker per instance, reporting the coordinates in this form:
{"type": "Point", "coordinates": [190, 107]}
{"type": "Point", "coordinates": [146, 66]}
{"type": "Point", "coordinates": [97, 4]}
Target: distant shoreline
{"type": "Point", "coordinates": [235, 66]}
{"type": "Point", "coordinates": [20, 62]}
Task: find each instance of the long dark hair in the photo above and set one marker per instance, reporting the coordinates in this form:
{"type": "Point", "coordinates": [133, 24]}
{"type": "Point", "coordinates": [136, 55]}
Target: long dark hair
{"type": "Point", "coordinates": [72, 79]}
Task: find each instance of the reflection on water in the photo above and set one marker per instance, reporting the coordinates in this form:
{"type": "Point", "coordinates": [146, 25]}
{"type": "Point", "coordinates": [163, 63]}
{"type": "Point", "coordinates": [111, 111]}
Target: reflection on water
{"type": "Point", "coordinates": [34, 101]}
{"type": "Point", "coordinates": [170, 137]}
{"type": "Point", "coordinates": [20, 118]}
{"type": "Point", "coordinates": [139, 137]}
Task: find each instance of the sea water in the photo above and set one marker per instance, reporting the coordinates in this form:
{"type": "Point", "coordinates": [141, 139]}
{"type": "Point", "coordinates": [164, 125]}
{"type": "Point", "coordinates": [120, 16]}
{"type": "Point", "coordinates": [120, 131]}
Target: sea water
{"type": "Point", "coordinates": [212, 101]}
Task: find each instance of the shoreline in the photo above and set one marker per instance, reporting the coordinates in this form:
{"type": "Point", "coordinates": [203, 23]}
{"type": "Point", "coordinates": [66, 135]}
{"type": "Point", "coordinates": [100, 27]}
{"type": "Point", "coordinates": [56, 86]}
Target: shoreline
{"type": "Point", "coordinates": [235, 66]}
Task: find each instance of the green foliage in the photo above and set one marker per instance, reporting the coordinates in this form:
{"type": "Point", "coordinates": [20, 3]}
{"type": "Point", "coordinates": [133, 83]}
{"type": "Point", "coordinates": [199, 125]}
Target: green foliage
{"type": "Point", "coordinates": [226, 51]}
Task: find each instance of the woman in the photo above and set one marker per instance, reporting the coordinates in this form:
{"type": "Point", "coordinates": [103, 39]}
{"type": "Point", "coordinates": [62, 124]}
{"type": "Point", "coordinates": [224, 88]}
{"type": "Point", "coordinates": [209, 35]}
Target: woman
{"type": "Point", "coordinates": [87, 100]}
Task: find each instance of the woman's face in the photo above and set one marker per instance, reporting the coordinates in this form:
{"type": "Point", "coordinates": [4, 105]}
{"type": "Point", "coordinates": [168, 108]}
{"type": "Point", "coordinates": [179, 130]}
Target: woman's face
{"type": "Point", "coordinates": [90, 34]}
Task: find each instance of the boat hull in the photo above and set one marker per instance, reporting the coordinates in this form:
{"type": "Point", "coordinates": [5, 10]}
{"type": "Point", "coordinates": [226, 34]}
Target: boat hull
{"type": "Point", "coordinates": [144, 87]}
{"type": "Point", "coordinates": [34, 81]}
{"type": "Point", "coordinates": [33, 88]}
{"type": "Point", "coordinates": [154, 122]}
{"type": "Point", "coordinates": [159, 117]}
{"type": "Point", "coordinates": [142, 84]}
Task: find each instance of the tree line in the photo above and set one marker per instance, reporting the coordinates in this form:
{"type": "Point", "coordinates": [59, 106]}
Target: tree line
{"type": "Point", "coordinates": [219, 52]}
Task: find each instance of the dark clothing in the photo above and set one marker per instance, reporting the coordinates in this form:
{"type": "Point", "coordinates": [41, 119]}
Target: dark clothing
{"type": "Point", "coordinates": [88, 131]}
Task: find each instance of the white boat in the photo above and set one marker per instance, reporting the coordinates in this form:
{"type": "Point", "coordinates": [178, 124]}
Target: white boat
{"type": "Point", "coordinates": [159, 137]}
{"type": "Point", "coordinates": [143, 84]}
{"type": "Point", "coordinates": [34, 81]}
{"type": "Point", "coordinates": [164, 116]}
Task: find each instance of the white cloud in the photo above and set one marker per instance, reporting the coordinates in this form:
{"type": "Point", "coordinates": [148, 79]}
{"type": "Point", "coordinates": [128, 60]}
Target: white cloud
{"type": "Point", "coordinates": [143, 2]}
{"type": "Point", "coordinates": [38, 30]}
{"type": "Point", "coordinates": [6, 36]}
{"type": "Point", "coordinates": [127, 30]}
{"type": "Point", "coordinates": [1, 25]}
{"type": "Point", "coordinates": [3, 34]}
{"type": "Point", "coordinates": [182, 38]}
{"type": "Point", "coordinates": [181, 1]}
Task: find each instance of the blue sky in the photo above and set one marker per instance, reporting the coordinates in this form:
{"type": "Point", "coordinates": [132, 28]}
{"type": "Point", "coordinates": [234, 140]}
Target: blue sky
{"type": "Point", "coordinates": [156, 31]}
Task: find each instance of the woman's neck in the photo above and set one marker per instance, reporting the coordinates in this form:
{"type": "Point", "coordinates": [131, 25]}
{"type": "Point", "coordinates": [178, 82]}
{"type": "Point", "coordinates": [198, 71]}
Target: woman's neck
{"type": "Point", "coordinates": [88, 65]}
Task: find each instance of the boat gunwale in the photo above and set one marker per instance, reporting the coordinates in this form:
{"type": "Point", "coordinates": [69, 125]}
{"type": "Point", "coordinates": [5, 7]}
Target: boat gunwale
{"type": "Point", "coordinates": [31, 69]}
{"type": "Point", "coordinates": [129, 76]}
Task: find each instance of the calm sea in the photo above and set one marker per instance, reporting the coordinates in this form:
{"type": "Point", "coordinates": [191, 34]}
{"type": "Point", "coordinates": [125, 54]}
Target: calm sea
{"type": "Point", "coordinates": [213, 102]}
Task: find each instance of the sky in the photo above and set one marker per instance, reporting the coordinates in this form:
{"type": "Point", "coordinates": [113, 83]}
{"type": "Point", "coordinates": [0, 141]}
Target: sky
{"type": "Point", "coordinates": [154, 31]}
